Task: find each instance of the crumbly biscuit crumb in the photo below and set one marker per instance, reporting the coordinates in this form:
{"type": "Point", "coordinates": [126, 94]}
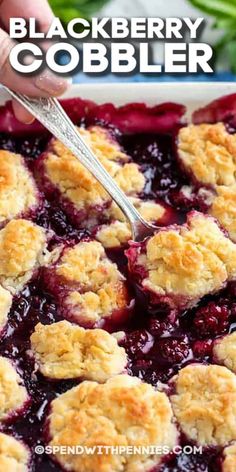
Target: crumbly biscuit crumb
{"type": "Point", "coordinates": [64, 351]}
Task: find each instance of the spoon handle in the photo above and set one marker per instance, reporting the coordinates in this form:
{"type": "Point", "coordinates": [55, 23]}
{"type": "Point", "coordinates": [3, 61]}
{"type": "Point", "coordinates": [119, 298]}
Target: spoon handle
{"type": "Point", "coordinates": [51, 114]}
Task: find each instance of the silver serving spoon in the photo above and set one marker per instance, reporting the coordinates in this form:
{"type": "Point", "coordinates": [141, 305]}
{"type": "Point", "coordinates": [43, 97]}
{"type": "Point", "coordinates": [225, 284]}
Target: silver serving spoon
{"type": "Point", "coordinates": [51, 114]}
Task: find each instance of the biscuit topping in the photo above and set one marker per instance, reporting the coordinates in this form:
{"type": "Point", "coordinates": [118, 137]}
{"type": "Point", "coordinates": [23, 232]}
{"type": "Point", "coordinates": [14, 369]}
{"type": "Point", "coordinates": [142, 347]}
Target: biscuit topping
{"type": "Point", "coordinates": [118, 232]}
{"type": "Point", "coordinates": [13, 394]}
{"type": "Point", "coordinates": [205, 404]}
{"type": "Point", "coordinates": [77, 184]}
{"type": "Point", "coordinates": [22, 250]}
{"type": "Point", "coordinates": [103, 144]}
{"type": "Point", "coordinates": [229, 463]}
{"type": "Point", "coordinates": [65, 351]}
{"type": "Point", "coordinates": [209, 153]}
{"type": "Point", "coordinates": [123, 411]}
{"type": "Point", "coordinates": [18, 191]}
{"type": "Point", "coordinates": [187, 262]}
{"type": "Point", "coordinates": [5, 305]}
{"type": "Point", "coordinates": [14, 456]}
{"type": "Point", "coordinates": [224, 208]}
{"type": "Point", "coordinates": [225, 351]}
{"type": "Point", "coordinates": [91, 285]}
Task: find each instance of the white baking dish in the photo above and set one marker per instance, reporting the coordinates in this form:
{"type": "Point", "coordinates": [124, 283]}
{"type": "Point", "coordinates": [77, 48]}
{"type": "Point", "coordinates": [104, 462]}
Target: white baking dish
{"type": "Point", "coordinates": [193, 95]}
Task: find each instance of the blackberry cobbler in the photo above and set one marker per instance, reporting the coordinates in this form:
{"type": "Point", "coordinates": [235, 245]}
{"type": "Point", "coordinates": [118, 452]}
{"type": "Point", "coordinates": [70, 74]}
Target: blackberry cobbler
{"type": "Point", "coordinates": [106, 341]}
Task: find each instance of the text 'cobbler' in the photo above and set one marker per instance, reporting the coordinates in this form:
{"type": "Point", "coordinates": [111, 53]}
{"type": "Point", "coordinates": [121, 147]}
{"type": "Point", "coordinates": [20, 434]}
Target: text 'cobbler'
{"type": "Point", "coordinates": [115, 45]}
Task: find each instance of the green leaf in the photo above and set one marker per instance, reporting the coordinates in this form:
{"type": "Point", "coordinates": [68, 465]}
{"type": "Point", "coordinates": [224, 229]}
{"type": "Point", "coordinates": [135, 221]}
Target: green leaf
{"type": "Point", "coordinates": [217, 8]}
{"type": "Point", "coordinates": [67, 14]}
{"type": "Point", "coordinates": [221, 45]}
{"type": "Point", "coordinates": [224, 13]}
{"type": "Point", "coordinates": [227, 24]}
{"type": "Point", "coordinates": [67, 10]}
{"type": "Point", "coordinates": [231, 49]}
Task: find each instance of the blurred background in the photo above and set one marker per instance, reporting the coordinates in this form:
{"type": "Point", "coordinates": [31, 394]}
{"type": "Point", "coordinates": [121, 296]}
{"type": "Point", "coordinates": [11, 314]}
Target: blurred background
{"type": "Point", "coordinates": [220, 30]}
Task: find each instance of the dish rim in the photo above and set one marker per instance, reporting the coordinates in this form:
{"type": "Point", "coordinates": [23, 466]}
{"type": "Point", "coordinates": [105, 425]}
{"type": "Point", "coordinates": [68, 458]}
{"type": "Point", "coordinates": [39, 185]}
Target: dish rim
{"type": "Point", "coordinates": [191, 94]}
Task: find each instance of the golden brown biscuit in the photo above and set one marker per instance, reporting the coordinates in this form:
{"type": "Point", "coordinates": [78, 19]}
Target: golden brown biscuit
{"type": "Point", "coordinates": [114, 234]}
{"type": "Point", "coordinates": [224, 208]}
{"type": "Point", "coordinates": [224, 351]}
{"type": "Point", "coordinates": [92, 306]}
{"type": "Point", "coordinates": [5, 305]}
{"type": "Point", "coordinates": [103, 144]}
{"type": "Point", "coordinates": [209, 153]}
{"type": "Point", "coordinates": [23, 249]}
{"type": "Point", "coordinates": [118, 232]}
{"type": "Point", "coordinates": [89, 285]}
{"type": "Point", "coordinates": [77, 185]}
{"type": "Point", "coordinates": [13, 394]}
{"type": "Point", "coordinates": [229, 462]}
{"type": "Point", "coordinates": [14, 455]}
{"type": "Point", "coordinates": [130, 179]}
{"type": "Point", "coordinates": [204, 404]}
{"type": "Point", "coordinates": [122, 412]}
{"type": "Point", "coordinates": [187, 262]}
{"type": "Point", "coordinates": [86, 263]}
{"type": "Point", "coordinates": [64, 351]}
{"type": "Point", "coordinates": [73, 180]}
{"type": "Point", "coordinates": [18, 192]}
